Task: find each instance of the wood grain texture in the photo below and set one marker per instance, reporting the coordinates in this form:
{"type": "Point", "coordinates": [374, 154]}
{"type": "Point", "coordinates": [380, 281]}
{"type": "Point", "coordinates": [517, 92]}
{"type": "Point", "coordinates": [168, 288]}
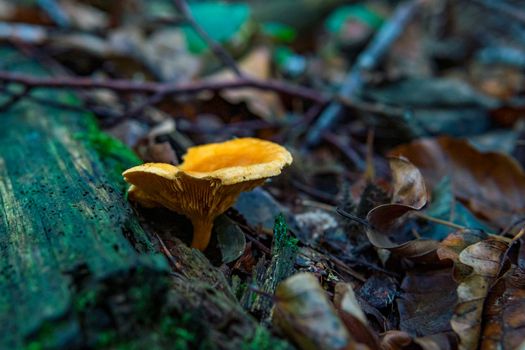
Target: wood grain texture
{"type": "Point", "coordinates": [74, 263]}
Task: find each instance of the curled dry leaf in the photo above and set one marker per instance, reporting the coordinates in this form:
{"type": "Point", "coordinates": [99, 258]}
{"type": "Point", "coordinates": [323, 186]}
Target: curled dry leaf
{"type": "Point", "coordinates": [492, 185]}
{"type": "Point", "coordinates": [418, 250]}
{"type": "Point", "coordinates": [304, 313]}
{"type": "Point", "coordinates": [409, 194]}
{"type": "Point", "coordinates": [485, 258]}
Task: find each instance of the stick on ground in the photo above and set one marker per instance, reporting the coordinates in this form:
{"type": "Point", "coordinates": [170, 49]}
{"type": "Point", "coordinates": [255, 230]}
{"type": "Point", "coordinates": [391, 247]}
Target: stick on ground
{"type": "Point", "coordinates": [368, 60]}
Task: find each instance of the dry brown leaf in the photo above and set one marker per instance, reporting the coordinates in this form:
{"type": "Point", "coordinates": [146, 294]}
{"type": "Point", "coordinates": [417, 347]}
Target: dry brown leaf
{"type": "Point", "coordinates": [491, 184]}
{"type": "Point", "coordinates": [256, 64]}
{"type": "Point", "coordinates": [409, 193]}
{"type": "Point", "coordinates": [418, 250]}
{"type": "Point", "coordinates": [399, 340]}
{"type": "Point", "coordinates": [451, 247]}
{"type": "Point", "coordinates": [304, 313]}
{"type": "Point", "coordinates": [485, 258]}
{"type": "Point", "coordinates": [395, 340]}
{"type": "Point", "coordinates": [424, 309]}
{"type": "Point", "coordinates": [504, 317]}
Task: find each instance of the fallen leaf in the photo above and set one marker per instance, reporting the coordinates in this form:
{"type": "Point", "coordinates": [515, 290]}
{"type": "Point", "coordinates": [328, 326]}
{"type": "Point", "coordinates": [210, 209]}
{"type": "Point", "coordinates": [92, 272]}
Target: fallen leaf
{"type": "Point", "coordinates": [503, 316]}
{"type": "Point", "coordinates": [453, 245]}
{"type": "Point", "coordinates": [353, 316]}
{"type": "Point", "coordinates": [259, 209]}
{"type": "Point", "coordinates": [485, 258]}
{"type": "Point", "coordinates": [230, 238]}
{"type": "Point", "coordinates": [399, 340]}
{"type": "Point", "coordinates": [395, 340]}
{"type": "Point", "coordinates": [304, 313]}
{"type": "Point", "coordinates": [165, 53]}
{"type": "Point", "coordinates": [256, 64]}
{"type": "Point", "coordinates": [409, 193]}
{"type": "Point", "coordinates": [379, 291]}
{"type": "Point", "coordinates": [423, 308]}
{"type": "Point", "coordinates": [418, 250]}
{"type": "Point", "coordinates": [492, 185]}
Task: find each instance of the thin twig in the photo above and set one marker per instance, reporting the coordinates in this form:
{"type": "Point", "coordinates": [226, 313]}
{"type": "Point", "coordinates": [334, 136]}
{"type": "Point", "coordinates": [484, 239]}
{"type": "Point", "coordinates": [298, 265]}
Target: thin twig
{"type": "Point", "coordinates": [14, 98]}
{"type": "Point", "coordinates": [218, 50]}
{"type": "Point", "coordinates": [368, 60]}
{"type": "Point", "coordinates": [242, 125]}
{"type": "Point", "coordinates": [353, 217]}
{"type": "Point", "coordinates": [131, 86]}
{"type": "Point", "coordinates": [376, 108]}
{"type": "Point", "coordinates": [348, 152]}
{"type": "Point", "coordinates": [166, 251]}
{"type": "Point", "coordinates": [66, 106]}
{"type": "Point", "coordinates": [439, 221]}
{"type": "Point", "coordinates": [253, 288]}
{"type": "Point", "coordinates": [507, 229]}
{"type": "Point", "coordinates": [323, 196]}
{"type": "Point", "coordinates": [519, 234]}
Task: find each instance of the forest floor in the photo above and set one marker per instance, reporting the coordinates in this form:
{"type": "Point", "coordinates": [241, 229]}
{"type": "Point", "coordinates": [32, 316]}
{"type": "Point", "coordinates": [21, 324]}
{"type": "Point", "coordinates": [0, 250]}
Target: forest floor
{"type": "Point", "coordinates": [398, 225]}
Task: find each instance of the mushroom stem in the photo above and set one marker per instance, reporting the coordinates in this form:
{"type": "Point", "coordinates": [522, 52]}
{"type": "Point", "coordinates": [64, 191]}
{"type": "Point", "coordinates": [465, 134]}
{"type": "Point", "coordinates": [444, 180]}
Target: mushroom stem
{"type": "Point", "coordinates": [201, 233]}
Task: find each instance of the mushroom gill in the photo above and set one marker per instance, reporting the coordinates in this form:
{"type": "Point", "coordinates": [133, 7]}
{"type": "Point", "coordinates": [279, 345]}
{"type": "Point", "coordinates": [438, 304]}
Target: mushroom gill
{"type": "Point", "coordinates": [209, 180]}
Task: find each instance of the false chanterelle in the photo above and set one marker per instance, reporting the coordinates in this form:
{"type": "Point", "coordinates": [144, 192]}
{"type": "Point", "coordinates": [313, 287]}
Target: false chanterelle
{"type": "Point", "coordinates": [209, 180]}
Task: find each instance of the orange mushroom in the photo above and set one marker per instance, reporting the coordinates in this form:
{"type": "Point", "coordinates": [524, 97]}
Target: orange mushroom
{"type": "Point", "coordinates": [209, 180]}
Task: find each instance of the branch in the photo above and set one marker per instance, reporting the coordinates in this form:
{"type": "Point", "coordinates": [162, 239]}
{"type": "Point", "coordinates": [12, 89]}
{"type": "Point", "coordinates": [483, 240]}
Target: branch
{"type": "Point", "coordinates": [368, 60]}
{"type": "Point", "coordinates": [166, 88]}
{"type": "Point", "coordinates": [218, 50]}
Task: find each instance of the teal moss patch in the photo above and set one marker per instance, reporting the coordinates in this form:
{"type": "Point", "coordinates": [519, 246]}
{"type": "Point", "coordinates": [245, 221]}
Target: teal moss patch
{"type": "Point", "coordinates": [115, 155]}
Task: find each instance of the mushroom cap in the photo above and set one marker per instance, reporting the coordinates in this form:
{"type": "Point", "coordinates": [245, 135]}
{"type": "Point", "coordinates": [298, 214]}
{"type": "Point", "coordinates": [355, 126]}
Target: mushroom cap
{"type": "Point", "coordinates": [236, 160]}
{"type": "Point", "coordinates": [210, 179]}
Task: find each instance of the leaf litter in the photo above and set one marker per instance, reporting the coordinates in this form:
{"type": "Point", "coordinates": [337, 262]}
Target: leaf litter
{"type": "Point", "coordinates": [426, 255]}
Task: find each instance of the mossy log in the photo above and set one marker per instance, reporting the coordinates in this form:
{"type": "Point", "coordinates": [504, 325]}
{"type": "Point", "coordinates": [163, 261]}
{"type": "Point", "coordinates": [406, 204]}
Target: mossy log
{"type": "Point", "coordinates": [74, 263]}
{"type": "Point", "coordinates": [76, 268]}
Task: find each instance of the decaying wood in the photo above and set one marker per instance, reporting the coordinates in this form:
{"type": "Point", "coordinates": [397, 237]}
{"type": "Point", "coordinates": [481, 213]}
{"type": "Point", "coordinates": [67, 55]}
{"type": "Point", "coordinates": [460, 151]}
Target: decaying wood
{"type": "Point", "coordinates": [69, 271]}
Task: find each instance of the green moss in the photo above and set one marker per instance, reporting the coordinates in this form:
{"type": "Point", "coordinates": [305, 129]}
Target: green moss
{"type": "Point", "coordinates": [283, 241]}
{"type": "Point", "coordinates": [114, 154]}
{"type": "Point", "coordinates": [263, 340]}
{"type": "Point", "coordinates": [85, 300]}
{"type": "Point", "coordinates": [171, 332]}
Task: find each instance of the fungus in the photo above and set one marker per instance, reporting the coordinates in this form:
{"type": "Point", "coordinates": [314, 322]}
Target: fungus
{"type": "Point", "coordinates": [208, 182]}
